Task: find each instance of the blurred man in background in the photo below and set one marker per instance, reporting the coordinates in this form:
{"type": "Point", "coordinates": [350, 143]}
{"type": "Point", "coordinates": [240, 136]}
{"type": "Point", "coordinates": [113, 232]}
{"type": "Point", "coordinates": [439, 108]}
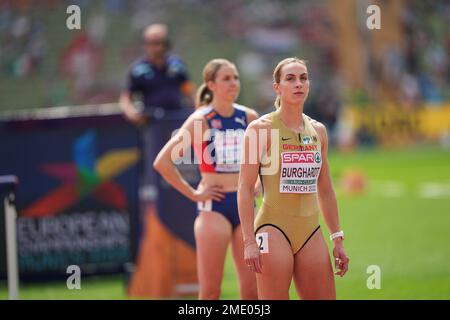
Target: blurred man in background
{"type": "Point", "coordinates": [160, 78]}
{"type": "Point", "coordinates": [160, 82]}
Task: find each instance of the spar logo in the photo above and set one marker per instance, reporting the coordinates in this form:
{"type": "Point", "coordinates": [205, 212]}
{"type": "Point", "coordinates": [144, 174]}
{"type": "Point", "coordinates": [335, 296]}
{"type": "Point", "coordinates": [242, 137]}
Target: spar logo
{"type": "Point", "coordinates": [298, 157]}
{"type": "Point", "coordinates": [317, 157]}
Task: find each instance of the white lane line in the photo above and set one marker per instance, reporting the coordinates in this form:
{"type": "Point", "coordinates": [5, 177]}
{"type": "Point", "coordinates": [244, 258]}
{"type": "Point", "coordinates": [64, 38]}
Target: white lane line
{"type": "Point", "coordinates": [389, 189]}
{"type": "Point", "coordinates": [396, 189]}
{"type": "Point", "coordinates": [434, 190]}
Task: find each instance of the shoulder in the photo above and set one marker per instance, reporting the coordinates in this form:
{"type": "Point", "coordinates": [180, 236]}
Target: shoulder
{"type": "Point", "coordinates": [200, 113]}
{"type": "Point", "coordinates": [173, 58]}
{"type": "Point", "coordinates": [140, 66]}
{"type": "Point", "coordinates": [175, 64]}
{"type": "Point", "coordinates": [250, 113]}
{"type": "Point", "coordinates": [139, 61]}
{"type": "Point", "coordinates": [320, 128]}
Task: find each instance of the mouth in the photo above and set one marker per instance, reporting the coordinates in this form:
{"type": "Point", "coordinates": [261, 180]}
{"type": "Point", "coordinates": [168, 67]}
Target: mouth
{"type": "Point", "coordinates": [299, 93]}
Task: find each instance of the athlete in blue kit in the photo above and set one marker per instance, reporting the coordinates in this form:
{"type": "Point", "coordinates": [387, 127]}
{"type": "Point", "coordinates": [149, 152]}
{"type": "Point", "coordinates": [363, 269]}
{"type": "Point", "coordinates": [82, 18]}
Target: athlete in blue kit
{"type": "Point", "coordinates": [216, 131]}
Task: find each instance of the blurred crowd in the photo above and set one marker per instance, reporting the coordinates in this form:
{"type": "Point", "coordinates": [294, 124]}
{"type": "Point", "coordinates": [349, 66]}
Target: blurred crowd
{"type": "Point", "coordinates": [87, 66]}
{"type": "Point", "coordinates": [425, 64]}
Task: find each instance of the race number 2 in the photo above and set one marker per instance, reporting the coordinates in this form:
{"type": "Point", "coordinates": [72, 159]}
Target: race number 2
{"type": "Point", "coordinates": [263, 242]}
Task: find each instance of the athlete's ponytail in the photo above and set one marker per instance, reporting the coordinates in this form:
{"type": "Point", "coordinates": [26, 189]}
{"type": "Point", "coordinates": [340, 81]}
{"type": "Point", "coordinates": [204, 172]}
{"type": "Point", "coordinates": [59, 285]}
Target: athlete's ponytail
{"type": "Point", "coordinates": [277, 73]}
{"type": "Point", "coordinates": [204, 94]}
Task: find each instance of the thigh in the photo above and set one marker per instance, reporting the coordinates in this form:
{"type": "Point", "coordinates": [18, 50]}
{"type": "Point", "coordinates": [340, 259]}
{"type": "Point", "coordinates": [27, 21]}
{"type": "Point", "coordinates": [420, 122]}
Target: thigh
{"type": "Point", "coordinates": [277, 266]}
{"type": "Point", "coordinates": [212, 235]}
{"type": "Point", "coordinates": [313, 273]}
{"type": "Point", "coordinates": [247, 278]}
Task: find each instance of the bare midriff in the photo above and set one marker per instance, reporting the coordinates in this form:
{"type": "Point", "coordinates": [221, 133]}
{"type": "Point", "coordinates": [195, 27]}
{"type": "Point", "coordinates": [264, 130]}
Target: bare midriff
{"type": "Point", "coordinates": [228, 181]}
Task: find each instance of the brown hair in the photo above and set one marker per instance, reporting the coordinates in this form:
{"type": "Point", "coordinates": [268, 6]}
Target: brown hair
{"type": "Point", "coordinates": [204, 95]}
{"type": "Point", "coordinates": [277, 72]}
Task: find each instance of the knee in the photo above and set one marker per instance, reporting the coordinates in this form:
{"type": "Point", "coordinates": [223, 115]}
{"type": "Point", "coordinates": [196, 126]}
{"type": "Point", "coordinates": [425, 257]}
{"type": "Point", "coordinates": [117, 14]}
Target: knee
{"type": "Point", "coordinates": [210, 293]}
{"type": "Point", "coordinates": [249, 293]}
{"type": "Point", "coordinates": [248, 289]}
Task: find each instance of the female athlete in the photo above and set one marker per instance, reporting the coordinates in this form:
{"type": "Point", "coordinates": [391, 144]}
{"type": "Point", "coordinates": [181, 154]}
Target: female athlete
{"type": "Point", "coordinates": [291, 160]}
{"type": "Point", "coordinates": [216, 131]}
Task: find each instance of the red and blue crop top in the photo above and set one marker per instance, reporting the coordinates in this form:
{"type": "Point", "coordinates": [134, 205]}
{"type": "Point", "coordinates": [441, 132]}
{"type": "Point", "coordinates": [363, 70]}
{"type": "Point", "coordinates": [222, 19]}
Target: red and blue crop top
{"type": "Point", "coordinates": [221, 152]}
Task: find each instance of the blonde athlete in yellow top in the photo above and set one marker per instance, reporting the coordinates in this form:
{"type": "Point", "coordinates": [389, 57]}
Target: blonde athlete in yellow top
{"type": "Point", "coordinates": [296, 185]}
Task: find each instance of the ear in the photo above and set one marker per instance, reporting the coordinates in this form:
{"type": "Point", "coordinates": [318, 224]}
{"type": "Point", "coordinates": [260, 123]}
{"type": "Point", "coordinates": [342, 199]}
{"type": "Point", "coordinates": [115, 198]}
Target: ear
{"type": "Point", "coordinates": [211, 85]}
{"type": "Point", "coordinates": [276, 88]}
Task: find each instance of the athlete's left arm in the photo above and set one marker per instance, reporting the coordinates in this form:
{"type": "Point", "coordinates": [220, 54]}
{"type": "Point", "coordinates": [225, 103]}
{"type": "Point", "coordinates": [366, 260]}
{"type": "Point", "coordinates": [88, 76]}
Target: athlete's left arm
{"type": "Point", "coordinates": [253, 115]}
{"type": "Point", "coordinates": [328, 203]}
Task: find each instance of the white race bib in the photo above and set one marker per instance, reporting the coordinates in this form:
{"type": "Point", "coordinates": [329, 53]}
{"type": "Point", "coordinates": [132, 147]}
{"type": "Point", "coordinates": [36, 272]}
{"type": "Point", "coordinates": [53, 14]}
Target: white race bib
{"type": "Point", "coordinates": [204, 205]}
{"type": "Point", "coordinates": [262, 239]}
{"type": "Point", "coordinates": [228, 147]}
{"type": "Point", "coordinates": [300, 171]}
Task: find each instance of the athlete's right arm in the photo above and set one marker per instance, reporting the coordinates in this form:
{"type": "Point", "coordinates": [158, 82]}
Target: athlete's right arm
{"type": "Point", "coordinates": [250, 162]}
{"type": "Point", "coordinates": [174, 149]}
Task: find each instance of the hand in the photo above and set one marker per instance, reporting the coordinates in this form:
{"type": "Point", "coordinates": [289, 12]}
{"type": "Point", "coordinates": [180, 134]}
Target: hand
{"type": "Point", "coordinates": [341, 260]}
{"type": "Point", "coordinates": [205, 192]}
{"type": "Point", "coordinates": [252, 256]}
{"type": "Point", "coordinates": [135, 117]}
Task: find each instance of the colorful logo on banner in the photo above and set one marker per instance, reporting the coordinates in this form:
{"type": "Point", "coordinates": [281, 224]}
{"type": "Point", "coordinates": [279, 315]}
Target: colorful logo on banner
{"type": "Point", "coordinates": [87, 175]}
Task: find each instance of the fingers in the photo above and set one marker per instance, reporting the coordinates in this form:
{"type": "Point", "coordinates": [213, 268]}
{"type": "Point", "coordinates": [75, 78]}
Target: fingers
{"type": "Point", "coordinates": [136, 118]}
{"type": "Point", "coordinates": [255, 264]}
{"type": "Point", "coordinates": [250, 264]}
{"type": "Point", "coordinates": [215, 193]}
{"type": "Point", "coordinates": [140, 121]}
{"type": "Point", "coordinates": [344, 266]}
{"type": "Point", "coordinates": [215, 190]}
{"type": "Point", "coordinates": [217, 196]}
{"type": "Point", "coordinates": [337, 266]}
{"type": "Point", "coordinates": [258, 264]}
{"type": "Point", "coordinates": [341, 264]}
{"type": "Point", "coordinates": [253, 258]}
{"type": "Point", "coordinates": [257, 191]}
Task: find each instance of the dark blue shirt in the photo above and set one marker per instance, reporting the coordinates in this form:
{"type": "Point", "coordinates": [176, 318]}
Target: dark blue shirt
{"type": "Point", "coordinates": [158, 87]}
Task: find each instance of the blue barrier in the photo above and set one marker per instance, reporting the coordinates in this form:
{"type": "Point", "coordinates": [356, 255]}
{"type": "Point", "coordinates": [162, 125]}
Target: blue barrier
{"type": "Point", "coordinates": [78, 201]}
